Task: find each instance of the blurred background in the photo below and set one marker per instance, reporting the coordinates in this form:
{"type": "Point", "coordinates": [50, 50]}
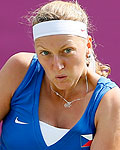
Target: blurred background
{"type": "Point", "coordinates": [16, 35]}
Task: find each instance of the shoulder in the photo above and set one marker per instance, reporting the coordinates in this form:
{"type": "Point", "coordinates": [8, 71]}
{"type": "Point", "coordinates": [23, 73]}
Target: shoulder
{"type": "Point", "coordinates": [17, 63]}
{"type": "Point", "coordinates": [111, 100]}
{"type": "Point", "coordinates": [108, 121]}
{"type": "Point", "coordinates": [109, 106]}
{"type": "Point", "coordinates": [21, 59]}
{"type": "Point", "coordinates": [11, 75]}
{"type": "Point", "coordinates": [15, 69]}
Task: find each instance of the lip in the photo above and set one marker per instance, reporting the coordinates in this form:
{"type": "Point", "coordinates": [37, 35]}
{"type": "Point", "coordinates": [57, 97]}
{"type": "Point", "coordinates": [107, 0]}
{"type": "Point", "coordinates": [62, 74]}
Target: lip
{"type": "Point", "coordinates": [60, 76]}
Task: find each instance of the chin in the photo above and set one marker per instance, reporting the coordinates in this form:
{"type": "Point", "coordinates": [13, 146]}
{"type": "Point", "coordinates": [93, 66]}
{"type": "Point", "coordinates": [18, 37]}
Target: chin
{"type": "Point", "coordinates": [63, 86]}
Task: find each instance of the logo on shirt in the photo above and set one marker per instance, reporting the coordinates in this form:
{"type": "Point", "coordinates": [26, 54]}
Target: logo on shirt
{"type": "Point", "coordinates": [86, 140]}
{"type": "Point", "coordinates": [19, 122]}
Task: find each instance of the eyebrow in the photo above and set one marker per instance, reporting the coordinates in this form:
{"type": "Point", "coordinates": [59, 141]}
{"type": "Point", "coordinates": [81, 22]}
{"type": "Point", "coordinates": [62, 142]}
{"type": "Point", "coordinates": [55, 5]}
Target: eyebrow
{"type": "Point", "coordinates": [38, 45]}
{"type": "Point", "coordinates": [41, 46]}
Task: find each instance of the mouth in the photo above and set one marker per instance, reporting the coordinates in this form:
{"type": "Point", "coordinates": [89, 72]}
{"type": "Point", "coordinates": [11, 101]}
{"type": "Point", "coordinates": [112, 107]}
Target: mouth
{"type": "Point", "coordinates": [61, 76]}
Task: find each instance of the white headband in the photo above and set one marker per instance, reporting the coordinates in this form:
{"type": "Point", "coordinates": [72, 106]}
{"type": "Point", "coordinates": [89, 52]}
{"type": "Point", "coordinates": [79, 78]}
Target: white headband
{"type": "Point", "coordinates": [56, 27]}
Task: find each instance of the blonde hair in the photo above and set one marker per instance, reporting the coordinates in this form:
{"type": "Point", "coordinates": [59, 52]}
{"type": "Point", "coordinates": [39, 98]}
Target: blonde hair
{"type": "Point", "coordinates": [61, 10]}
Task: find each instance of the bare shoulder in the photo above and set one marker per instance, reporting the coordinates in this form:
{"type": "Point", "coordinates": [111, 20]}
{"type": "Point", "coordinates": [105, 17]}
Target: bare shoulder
{"type": "Point", "coordinates": [110, 103]}
{"type": "Point", "coordinates": [114, 97]}
{"type": "Point", "coordinates": [22, 59]}
{"type": "Point", "coordinates": [107, 121]}
{"type": "Point", "coordinates": [16, 68]}
{"type": "Point", "coordinates": [11, 75]}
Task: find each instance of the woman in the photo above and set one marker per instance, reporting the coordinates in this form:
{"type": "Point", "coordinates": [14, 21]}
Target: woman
{"type": "Point", "coordinates": [59, 98]}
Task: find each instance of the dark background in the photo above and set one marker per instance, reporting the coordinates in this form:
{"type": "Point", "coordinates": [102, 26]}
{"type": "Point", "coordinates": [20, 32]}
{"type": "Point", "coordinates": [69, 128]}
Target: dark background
{"type": "Point", "coordinates": [104, 15]}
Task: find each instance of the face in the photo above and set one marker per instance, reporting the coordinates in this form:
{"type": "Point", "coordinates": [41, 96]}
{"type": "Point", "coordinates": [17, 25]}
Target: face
{"type": "Point", "coordinates": [63, 58]}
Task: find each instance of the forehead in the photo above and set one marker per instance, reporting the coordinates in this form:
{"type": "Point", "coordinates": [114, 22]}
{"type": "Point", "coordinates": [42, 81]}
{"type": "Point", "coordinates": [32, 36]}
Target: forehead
{"type": "Point", "coordinates": [59, 39]}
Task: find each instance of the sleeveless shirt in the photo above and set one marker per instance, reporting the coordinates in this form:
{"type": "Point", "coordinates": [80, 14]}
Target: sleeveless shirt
{"type": "Point", "coordinates": [21, 130]}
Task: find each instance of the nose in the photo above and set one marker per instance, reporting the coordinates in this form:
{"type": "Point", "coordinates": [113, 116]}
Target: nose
{"type": "Point", "coordinates": [58, 63]}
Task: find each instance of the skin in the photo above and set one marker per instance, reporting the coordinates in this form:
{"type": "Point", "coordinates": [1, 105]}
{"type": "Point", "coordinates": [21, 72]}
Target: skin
{"type": "Point", "coordinates": [73, 65]}
{"type": "Point", "coordinates": [63, 57]}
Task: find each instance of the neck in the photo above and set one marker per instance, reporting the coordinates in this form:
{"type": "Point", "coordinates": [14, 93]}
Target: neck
{"type": "Point", "coordinates": [79, 88]}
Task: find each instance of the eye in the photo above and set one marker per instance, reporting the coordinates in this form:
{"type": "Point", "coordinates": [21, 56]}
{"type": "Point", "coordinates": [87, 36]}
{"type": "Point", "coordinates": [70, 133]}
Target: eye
{"type": "Point", "coordinates": [44, 53]}
{"type": "Point", "coordinates": [68, 50]}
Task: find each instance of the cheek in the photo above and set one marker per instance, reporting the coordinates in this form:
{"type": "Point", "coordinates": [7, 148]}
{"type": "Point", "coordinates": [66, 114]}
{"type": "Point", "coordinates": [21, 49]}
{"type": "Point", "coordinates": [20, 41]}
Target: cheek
{"type": "Point", "coordinates": [46, 66]}
{"type": "Point", "coordinates": [78, 60]}
{"type": "Point", "coordinates": [77, 64]}
{"type": "Point", "coordinates": [43, 63]}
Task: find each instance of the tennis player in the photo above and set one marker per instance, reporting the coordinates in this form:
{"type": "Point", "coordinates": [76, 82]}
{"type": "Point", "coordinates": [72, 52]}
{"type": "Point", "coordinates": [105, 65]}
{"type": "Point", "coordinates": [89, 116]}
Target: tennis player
{"type": "Point", "coordinates": [59, 98]}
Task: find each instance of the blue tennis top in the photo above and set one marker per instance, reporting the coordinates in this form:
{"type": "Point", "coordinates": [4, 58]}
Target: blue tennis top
{"type": "Point", "coordinates": [21, 129]}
